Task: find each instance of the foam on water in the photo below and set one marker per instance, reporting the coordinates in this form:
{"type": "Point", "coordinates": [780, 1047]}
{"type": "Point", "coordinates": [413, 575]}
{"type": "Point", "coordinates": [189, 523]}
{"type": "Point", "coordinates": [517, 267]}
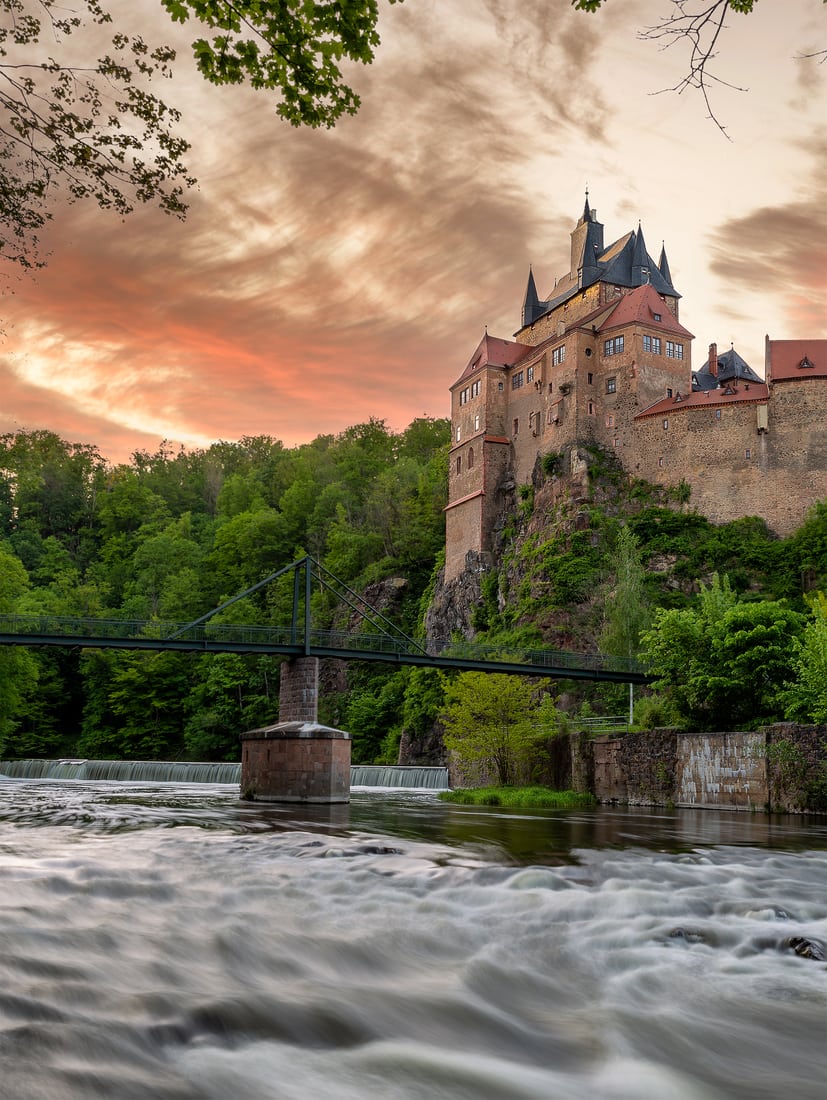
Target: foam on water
{"type": "Point", "coordinates": [182, 945]}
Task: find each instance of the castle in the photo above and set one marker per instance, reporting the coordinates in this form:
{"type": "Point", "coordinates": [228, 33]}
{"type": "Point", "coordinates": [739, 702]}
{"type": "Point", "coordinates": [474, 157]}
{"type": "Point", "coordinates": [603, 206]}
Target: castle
{"type": "Point", "coordinates": [606, 361]}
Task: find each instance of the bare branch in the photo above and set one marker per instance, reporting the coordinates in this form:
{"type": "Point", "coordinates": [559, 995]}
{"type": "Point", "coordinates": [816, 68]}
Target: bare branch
{"type": "Point", "coordinates": [701, 28]}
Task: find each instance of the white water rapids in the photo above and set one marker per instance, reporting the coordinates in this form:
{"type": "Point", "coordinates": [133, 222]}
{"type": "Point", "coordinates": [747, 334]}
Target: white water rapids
{"type": "Point", "coordinates": [171, 943]}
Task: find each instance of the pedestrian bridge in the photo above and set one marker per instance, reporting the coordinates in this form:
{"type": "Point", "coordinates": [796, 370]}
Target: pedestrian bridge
{"type": "Point", "coordinates": [377, 638]}
{"type": "Point", "coordinates": [296, 759]}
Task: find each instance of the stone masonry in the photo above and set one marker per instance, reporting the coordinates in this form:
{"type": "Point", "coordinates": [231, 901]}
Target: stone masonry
{"type": "Point", "coordinates": [296, 760]}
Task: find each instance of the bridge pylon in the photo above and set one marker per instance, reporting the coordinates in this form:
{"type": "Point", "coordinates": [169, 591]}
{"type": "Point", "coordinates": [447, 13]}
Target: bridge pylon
{"type": "Point", "coordinates": [296, 760]}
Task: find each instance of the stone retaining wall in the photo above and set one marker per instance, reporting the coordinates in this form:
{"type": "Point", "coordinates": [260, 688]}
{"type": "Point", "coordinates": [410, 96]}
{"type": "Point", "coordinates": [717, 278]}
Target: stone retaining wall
{"type": "Point", "coordinates": [782, 766]}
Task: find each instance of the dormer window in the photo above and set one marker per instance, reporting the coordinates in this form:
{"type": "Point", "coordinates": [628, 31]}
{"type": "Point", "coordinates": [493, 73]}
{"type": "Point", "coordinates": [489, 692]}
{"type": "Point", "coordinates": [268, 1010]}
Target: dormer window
{"type": "Point", "coordinates": [656, 316]}
{"type": "Point", "coordinates": [806, 363]}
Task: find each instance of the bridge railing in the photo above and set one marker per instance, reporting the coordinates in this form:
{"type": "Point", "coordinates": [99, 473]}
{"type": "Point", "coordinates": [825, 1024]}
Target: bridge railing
{"type": "Point", "coordinates": [288, 639]}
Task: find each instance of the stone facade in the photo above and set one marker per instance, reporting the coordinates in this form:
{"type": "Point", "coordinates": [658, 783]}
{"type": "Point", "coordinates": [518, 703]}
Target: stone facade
{"type": "Point", "coordinates": [607, 362]}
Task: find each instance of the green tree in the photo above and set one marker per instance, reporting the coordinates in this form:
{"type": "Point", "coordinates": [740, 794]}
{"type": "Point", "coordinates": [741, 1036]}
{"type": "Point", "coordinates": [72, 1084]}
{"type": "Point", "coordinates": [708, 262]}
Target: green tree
{"type": "Point", "coordinates": [490, 724]}
{"type": "Point", "coordinates": [230, 694]}
{"type": "Point", "coordinates": [626, 607]}
{"type": "Point", "coordinates": [18, 670]}
{"type": "Point", "coordinates": [722, 662]}
{"type": "Point", "coordinates": [806, 698]}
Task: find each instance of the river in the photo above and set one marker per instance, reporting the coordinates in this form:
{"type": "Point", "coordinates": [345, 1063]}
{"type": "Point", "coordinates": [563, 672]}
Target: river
{"type": "Point", "coordinates": [168, 942]}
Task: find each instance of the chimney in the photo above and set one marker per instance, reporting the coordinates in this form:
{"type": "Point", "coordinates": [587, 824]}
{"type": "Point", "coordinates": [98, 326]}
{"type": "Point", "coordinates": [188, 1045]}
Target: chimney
{"type": "Point", "coordinates": [713, 360]}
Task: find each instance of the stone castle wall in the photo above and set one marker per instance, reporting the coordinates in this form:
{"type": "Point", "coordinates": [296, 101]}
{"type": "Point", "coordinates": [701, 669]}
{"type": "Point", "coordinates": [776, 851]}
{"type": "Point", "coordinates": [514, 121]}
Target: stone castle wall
{"type": "Point", "coordinates": [777, 473]}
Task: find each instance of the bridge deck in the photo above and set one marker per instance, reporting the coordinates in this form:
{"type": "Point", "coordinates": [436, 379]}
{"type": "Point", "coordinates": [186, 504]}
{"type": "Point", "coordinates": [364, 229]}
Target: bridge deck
{"type": "Point", "coordinates": [211, 637]}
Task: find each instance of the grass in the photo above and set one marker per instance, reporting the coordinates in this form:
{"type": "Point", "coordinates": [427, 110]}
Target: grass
{"type": "Point", "coordinates": [526, 797]}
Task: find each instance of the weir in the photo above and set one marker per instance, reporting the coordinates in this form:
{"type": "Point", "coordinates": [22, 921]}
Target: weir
{"type": "Point", "coordinates": [174, 771]}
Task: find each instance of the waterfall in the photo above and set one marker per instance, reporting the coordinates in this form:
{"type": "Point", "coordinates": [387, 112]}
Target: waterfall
{"type": "Point", "coordinates": [381, 775]}
{"type": "Point", "coordinates": [164, 771]}
{"type": "Point", "coordinates": [136, 771]}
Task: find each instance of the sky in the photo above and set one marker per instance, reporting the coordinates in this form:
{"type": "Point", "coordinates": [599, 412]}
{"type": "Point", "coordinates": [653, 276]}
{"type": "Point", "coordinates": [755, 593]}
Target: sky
{"type": "Point", "coordinates": [325, 277]}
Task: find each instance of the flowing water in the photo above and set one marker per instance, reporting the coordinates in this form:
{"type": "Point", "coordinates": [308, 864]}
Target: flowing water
{"type": "Point", "coordinates": [168, 942]}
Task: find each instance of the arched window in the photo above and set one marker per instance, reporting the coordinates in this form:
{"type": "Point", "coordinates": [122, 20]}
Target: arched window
{"type": "Point", "coordinates": [470, 458]}
{"type": "Point", "coordinates": [459, 464]}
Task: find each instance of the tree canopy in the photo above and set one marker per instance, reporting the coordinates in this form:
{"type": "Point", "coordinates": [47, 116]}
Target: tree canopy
{"type": "Point", "coordinates": [82, 116]}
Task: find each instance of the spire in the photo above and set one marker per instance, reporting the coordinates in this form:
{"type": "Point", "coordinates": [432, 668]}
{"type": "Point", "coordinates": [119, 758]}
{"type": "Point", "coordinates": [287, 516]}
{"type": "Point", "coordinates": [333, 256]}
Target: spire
{"type": "Point", "coordinates": [587, 214]}
{"type": "Point", "coordinates": [532, 306]}
{"type": "Point", "coordinates": [663, 265]}
{"type": "Point", "coordinates": [640, 260]}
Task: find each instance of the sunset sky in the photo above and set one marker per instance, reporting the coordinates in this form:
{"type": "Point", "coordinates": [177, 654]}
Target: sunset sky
{"type": "Point", "coordinates": [326, 277]}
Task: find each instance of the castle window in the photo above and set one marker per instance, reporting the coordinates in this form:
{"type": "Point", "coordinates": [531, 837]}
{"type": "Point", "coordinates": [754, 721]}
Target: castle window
{"type": "Point", "coordinates": [517, 380]}
{"type": "Point", "coordinates": [666, 425]}
{"type": "Point", "coordinates": [463, 397]}
{"type": "Point", "coordinates": [475, 388]}
{"type": "Point", "coordinates": [551, 387]}
{"type": "Point", "coordinates": [611, 385]}
{"type": "Point", "coordinates": [651, 344]}
{"type": "Point", "coordinates": [499, 387]}
{"type": "Point", "coordinates": [459, 464]}
{"type": "Point", "coordinates": [613, 346]}
{"type": "Point", "coordinates": [668, 391]}
{"type": "Point", "coordinates": [477, 422]}
{"type": "Point", "coordinates": [617, 442]}
{"type": "Point", "coordinates": [470, 458]}
{"type": "Point", "coordinates": [516, 426]}
{"type": "Point", "coordinates": [559, 355]}
{"type": "Point", "coordinates": [673, 350]}
{"type": "Point", "coordinates": [656, 316]}
{"type": "Point", "coordinates": [748, 453]}
{"type": "Point", "coordinates": [529, 374]}
{"type": "Point", "coordinates": [610, 420]}
{"type": "Point", "coordinates": [590, 377]}
{"type": "Point", "coordinates": [717, 414]}
{"type": "Point", "coordinates": [459, 433]}
{"type": "Point", "coordinates": [591, 408]}
{"type": "Point", "coordinates": [660, 462]}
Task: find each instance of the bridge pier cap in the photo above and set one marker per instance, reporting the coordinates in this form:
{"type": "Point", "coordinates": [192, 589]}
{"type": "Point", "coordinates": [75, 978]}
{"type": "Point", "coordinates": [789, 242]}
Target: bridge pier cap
{"type": "Point", "coordinates": [296, 760]}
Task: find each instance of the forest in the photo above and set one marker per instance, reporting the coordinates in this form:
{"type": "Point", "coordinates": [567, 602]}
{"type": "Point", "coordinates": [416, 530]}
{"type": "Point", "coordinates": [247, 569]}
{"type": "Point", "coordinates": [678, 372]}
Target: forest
{"type": "Point", "coordinates": [171, 535]}
{"type": "Point", "coordinates": [729, 618]}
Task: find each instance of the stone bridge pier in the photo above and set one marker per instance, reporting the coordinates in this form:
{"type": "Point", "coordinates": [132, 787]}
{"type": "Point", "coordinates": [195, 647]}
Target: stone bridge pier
{"type": "Point", "coordinates": [296, 760]}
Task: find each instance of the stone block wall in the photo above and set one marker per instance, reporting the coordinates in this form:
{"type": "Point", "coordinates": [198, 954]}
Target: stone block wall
{"type": "Point", "coordinates": [777, 474]}
{"type": "Point", "coordinates": [295, 762]}
{"type": "Point", "coordinates": [726, 770]}
{"type": "Point", "coordinates": [782, 766]}
{"type": "Point", "coordinates": [797, 766]}
{"type": "Point", "coordinates": [299, 690]}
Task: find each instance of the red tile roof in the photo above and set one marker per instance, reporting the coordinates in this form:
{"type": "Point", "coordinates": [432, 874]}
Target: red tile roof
{"type": "Point", "coordinates": [754, 393]}
{"type": "Point", "coordinates": [791, 360]}
{"type": "Point", "coordinates": [639, 307]}
{"type": "Point", "coordinates": [492, 351]}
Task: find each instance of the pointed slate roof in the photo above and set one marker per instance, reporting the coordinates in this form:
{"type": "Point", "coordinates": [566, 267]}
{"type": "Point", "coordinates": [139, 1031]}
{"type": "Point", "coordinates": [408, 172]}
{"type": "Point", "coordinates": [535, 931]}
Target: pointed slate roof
{"type": "Point", "coordinates": [663, 265]}
{"type": "Point", "coordinates": [626, 262]}
{"type": "Point", "coordinates": [731, 368]}
{"type": "Point", "coordinates": [532, 307]}
{"type": "Point", "coordinates": [631, 265]}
